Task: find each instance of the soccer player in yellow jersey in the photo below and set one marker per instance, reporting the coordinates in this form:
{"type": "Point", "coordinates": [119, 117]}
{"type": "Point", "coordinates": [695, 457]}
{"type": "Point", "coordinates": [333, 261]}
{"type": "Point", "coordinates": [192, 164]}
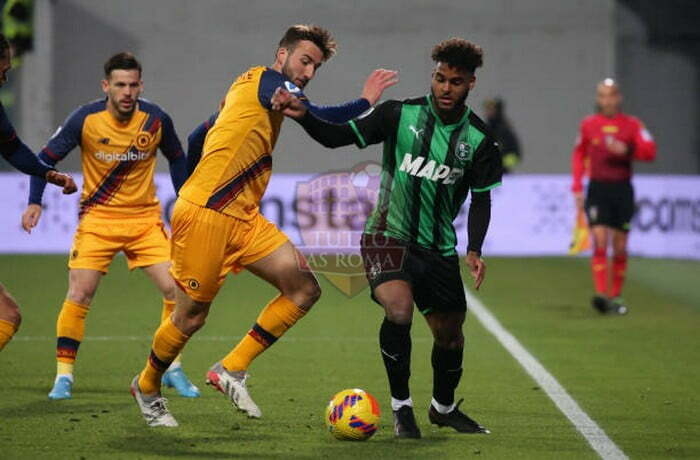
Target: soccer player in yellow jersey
{"type": "Point", "coordinates": [118, 138]}
{"type": "Point", "coordinates": [217, 225]}
{"type": "Point", "coordinates": [16, 153]}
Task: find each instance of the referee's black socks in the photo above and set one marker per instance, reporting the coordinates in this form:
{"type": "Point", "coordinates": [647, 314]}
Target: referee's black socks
{"type": "Point", "coordinates": [395, 344]}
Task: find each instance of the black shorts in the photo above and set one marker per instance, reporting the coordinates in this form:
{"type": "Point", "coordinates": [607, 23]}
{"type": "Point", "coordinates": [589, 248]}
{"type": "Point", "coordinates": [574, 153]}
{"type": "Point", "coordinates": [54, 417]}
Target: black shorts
{"type": "Point", "coordinates": [435, 279]}
{"type": "Point", "coordinates": [610, 204]}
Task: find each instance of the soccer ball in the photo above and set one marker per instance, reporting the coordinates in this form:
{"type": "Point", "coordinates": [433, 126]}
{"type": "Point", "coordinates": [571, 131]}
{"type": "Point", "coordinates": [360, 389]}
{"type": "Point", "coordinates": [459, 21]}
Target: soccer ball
{"type": "Point", "coordinates": [352, 415]}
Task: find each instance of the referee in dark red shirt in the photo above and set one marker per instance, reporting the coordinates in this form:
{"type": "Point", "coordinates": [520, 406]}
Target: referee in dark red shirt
{"type": "Point", "coordinates": [607, 144]}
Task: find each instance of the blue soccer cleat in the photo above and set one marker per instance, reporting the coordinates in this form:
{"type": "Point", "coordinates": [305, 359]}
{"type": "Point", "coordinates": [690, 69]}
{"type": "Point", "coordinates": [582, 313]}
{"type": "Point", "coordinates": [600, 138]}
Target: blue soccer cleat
{"type": "Point", "coordinates": [176, 378]}
{"type": "Point", "coordinates": [62, 388]}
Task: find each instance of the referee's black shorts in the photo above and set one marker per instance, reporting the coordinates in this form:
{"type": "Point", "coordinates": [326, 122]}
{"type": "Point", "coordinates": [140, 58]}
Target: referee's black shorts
{"type": "Point", "coordinates": [610, 204]}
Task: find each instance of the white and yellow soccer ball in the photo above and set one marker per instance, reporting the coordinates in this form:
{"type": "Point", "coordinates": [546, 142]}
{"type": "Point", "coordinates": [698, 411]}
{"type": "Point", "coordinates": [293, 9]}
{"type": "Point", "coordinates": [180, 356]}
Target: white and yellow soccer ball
{"type": "Point", "coordinates": [352, 415]}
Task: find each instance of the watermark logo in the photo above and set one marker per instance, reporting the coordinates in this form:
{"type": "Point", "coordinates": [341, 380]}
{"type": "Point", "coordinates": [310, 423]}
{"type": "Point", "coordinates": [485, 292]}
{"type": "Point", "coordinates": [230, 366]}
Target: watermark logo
{"type": "Point", "coordinates": [340, 203]}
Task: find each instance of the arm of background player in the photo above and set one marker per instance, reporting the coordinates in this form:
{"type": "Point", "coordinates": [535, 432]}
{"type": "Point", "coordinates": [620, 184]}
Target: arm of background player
{"type": "Point", "coordinates": [644, 144]}
{"type": "Point", "coordinates": [370, 128]}
{"type": "Point", "coordinates": [578, 162]}
{"type": "Point", "coordinates": [66, 139]}
{"type": "Point", "coordinates": [16, 153]}
{"type": "Point", "coordinates": [172, 149]}
{"type": "Point", "coordinates": [195, 142]}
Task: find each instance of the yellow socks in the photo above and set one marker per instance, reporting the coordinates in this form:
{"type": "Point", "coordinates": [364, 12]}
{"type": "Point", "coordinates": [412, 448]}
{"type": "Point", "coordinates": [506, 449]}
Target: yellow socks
{"type": "Point", "coordinates": [275, 319]}
{"type": "Point", "coordinates": [7, 330]}
{"type": "Point", "coordinates": [70, 329]}
{"type": "Point", "coordinates": [168, 309]}
{"type": "Point", "coordinates": [167, 344]}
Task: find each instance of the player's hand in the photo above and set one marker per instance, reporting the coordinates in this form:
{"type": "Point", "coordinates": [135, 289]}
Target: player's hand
{"type": "Point", "coordinates": [616, 147]}
{"type": "Point", "coordinates": [578, 199]}
{"type": "Point", "coordinates": [377, 82]}
{"type": "Point", "coordinates": [31, 216]}
{"type": "Point", "coordinates": [287, 103]}
{"type": "Point", "coordinates": [62, 180]}
{"type": "Point", "coordinates": [477, 268]}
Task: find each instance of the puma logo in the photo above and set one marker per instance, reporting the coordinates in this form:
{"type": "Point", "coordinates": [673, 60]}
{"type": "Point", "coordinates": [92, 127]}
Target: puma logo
{"type": "Point", "coordinates": [416, 132]}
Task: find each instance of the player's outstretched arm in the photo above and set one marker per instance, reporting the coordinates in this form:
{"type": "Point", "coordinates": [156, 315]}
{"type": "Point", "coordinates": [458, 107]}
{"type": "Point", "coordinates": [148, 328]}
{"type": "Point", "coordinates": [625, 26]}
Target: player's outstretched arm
{"type": "Point", "coordinates": [195, 142]}
{"type": "Point", "coordinates": [370, 128]}
{"type": "Point", "coordinates": [375, 85]}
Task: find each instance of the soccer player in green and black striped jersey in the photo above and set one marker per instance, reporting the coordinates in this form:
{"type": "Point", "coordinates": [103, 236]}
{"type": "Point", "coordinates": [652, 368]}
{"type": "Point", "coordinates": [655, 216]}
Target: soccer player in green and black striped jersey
{"type": "Point", "coordinates": [436, 150]}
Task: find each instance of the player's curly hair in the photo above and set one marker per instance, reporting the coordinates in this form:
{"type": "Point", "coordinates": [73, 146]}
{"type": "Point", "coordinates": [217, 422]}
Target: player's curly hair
{"type": "Point", "coordinates": [318, 35]}
{"type": "Point", "coordinates": [122, 61]}
{"type": "Point", "coordinates": [459, 53]}
{"type": "Point", "coordinates": [4, 46]}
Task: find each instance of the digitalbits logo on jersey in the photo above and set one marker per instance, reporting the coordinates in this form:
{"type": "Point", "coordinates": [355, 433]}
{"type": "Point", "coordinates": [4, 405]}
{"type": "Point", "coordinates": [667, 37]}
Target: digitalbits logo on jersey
{"type": "Point", "coordinates": [332, 209]}
{"type": "Point", "coordinates": [352, 415]}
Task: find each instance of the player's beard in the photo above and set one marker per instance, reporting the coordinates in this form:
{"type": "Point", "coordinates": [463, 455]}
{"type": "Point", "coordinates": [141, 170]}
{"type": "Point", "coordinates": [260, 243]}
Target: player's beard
{"type": "Point", "coordinates": [124, 115]}
{"type": "Point", "coordinates": [458, 106]}
{"type": "Point", "coordinates": [287, 72]}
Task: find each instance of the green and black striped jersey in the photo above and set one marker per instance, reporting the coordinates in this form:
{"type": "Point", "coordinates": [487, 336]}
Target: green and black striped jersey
{"type": "Point", "coordinates": [428, 168]}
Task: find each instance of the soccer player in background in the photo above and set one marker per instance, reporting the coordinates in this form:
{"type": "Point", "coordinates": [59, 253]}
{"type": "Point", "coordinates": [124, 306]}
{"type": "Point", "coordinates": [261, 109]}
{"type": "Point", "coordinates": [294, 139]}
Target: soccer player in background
{"type": "Point", "coordinates": [118, 138]}
{"type": "Point", "coordinates": [436, 152]}
{"type": "Point", "coordinates": [610, 141]}
{"type": "Point", "coordinates": [15, 152]}
{"type": "Point", "coordinates": [218, 227]}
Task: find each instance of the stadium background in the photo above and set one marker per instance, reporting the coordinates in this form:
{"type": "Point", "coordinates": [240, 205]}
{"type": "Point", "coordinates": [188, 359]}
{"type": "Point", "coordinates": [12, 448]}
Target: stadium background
{"type": "Point", "coordinates": [635, 376]}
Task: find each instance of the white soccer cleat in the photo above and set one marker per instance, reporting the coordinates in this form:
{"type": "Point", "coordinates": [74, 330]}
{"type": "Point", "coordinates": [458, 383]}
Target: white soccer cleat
{"type": "Point", "coordinates": [154, 409]}
{"type": "Point", "coordinates": [232, 384]}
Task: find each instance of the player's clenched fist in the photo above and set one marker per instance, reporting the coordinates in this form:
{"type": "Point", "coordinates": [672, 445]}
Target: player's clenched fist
{"type": "Point", "coordinates": [62, 180]}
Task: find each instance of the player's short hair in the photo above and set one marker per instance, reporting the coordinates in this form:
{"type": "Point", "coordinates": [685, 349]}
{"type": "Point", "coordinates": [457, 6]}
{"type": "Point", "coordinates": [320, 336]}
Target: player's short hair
{"type": "Point", "coordinates": [122, 61]}
{"type": "Point", "coordinates": [459, 53]}
{"type": "Point", "coordinates": [4, 46]}
{"type": "Point", "coordinates": [318, 35]}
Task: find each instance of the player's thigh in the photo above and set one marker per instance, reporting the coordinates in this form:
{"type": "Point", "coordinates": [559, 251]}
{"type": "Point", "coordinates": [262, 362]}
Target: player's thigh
{"type": "Point", "coordinates": [396, 297]}
{"type": "Point", "coordinates": [94, 246]}
{"type": "Point", "coordinates": [160, 275]}
{"type": "Point", "coordinates": [199, 246]}
{"type": "Point", "coordinates": [148, 245]}
{"type": "Point", "coordinates": [387, 266]}
{"type": "Point", "coordinates": [286, 269]}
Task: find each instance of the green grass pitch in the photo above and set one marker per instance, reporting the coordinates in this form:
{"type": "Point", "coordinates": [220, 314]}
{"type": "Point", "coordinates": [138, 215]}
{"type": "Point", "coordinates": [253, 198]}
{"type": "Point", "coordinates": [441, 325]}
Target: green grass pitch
{"type": "Point", "coordinates": [636, 376]}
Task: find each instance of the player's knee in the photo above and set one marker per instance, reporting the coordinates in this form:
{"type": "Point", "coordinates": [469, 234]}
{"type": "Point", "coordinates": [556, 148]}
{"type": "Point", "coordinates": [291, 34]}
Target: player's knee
{"type": "Point", "coordinates": [189, 323]}
{"type": "Point", "coordinates": [307, 294]}
{"type": "Point", "coordinates": [449, 339]}
{"type": "Point", "coordinates": [80, 295]}
{"type": "Point", "coordinates": [399, 310]}
{"type": "Point", "coordinates": [9, 311]}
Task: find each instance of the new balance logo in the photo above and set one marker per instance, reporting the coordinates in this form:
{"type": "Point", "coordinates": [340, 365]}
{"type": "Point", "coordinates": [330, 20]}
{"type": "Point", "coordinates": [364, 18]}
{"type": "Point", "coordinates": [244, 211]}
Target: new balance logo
{"type": "Point", "coordinates": [104, 140]}
{"type": "Point", "coordinates": [430, 170]}
{"type": "Point", "coordinates": [416, 132]}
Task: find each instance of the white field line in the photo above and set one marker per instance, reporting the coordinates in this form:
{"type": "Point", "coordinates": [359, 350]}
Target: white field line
{"type": "Point", "coordinates": [584, 424]}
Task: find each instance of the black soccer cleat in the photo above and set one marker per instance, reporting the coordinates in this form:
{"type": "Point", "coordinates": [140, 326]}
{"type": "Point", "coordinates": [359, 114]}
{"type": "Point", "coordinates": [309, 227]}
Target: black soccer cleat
{"type": "Point", "coordinates": [456, 419]}
{"type": "Point", "coordinates": [600, 303]}
{"type": "Point", "coordinates": [405, 423]}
